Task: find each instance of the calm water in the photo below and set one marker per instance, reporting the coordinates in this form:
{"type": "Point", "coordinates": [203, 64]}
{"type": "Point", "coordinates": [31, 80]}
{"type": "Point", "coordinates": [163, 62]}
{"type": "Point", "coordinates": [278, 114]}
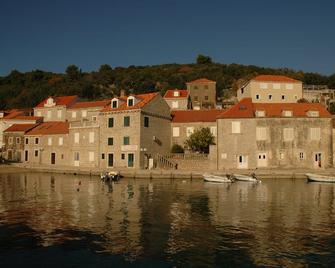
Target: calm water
{"type": "Point", "coordinates": [77, 221]}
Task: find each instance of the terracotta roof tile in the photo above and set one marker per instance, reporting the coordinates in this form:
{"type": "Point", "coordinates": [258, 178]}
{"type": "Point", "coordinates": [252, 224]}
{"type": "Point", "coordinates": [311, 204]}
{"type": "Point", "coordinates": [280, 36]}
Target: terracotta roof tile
{"type": "Point", "coordinates": [50, 128]}
{"type": "Point", "coordinates": [246, 109]}
{"type": "Point", "coordinates": [27, 118]}
{"type": "Point", "coordinates": [143, 99]}
{"type": "Point", "coordinates": [90, 104]}
{"type": "Point", "coordinates": [20, 127]}
{"type": "Point", "coordinates": [201, 80]}
{"type": "Point", "coordinates": [169, 94]}
{"type": "Point", "coordinates": [13, 114]}
{"type": "Point", "coordinates": [275, 78]}
{"type": "Point", "coordinates": [188, 116]}
{"type": "Point", "coordinates": [61, 100]}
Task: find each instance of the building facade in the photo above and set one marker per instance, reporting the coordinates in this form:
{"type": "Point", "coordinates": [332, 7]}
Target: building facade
{"type": "Point", "coordinates": [271, 89]}
{"type": "Point", "coordinates": [202, 93]}
{"type": "Point", "coordinates": [177, 99]}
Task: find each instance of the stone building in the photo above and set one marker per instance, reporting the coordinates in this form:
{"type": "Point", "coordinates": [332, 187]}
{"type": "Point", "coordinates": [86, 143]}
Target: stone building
{"type": "Point", "coordinates": [88, 110]}
{"type": "Point", "coordinates": [14, 141]}
{"type": "Point", "coordinates": [48, 144]}
{"type": "Point", "coordinates": [265, 135]}
{"type": "Point", "coordinates": [184, 123]}
{"type": "Point", "coordinates": [134, 129]}
{"type": "Point", "coordinates": [271, 89]}
{"type": "Point", "coordinates": [55, 108]}
{"type": "Point", "coordinates": [202, 93]}
{"type": "Point", "coordinates": [319, 93]}
{"type": "Point", "coordinates": [177, 99]}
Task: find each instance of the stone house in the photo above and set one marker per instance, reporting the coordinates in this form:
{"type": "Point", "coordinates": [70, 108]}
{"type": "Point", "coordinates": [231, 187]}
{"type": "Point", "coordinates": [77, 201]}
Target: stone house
{"type": "Point", "coordinates": [55, 108]}
{"type": "Point", "coordinates": [263, 135]}
{"type": "Point", "coordinates": [14, 141]}
{"type": "Point", "coordinates": [134, 129]}
{"type": "Point", "coordinates": [87, 111]}
{"type": "Point", "coordinates": [184, 123]}
{"type": "Point", "coordinates": [48, 144]}
{"type": "Point", "coordinates": [271, 89]}
{"type": "Point", "coordinates": [177, 99]}
{"type": "Point", "coordinates": [202, 93]}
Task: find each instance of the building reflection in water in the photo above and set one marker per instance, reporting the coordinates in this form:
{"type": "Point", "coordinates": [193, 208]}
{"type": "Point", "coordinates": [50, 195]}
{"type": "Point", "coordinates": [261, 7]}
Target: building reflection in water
{"type": "Point", "coordinates": [266, 224]}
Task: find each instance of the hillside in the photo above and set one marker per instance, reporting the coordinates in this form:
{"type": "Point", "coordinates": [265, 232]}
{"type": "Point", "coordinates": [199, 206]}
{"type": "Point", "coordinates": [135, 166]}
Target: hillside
{"type": "Point", "coordinates": [27, 89]}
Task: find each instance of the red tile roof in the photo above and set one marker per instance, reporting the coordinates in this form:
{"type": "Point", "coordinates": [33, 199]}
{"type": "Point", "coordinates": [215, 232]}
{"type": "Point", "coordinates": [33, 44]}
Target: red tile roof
{"type": "Point", "coordinates": [90, 104]}
{"type": "Point", "coordinates": [62, 100]}
{"type": "Point", "coordinates": [169, 94]}
{"type": "Point", "coordinates": [27, 118]}
{"type": "Point", "coordinates": [13, 114]}
{"type": "Point", "coordinates": [275, 78]}
{"type": "Point", "coordinates": [201, 80]}
{"type": "Point", "coordinates": [188, 116]}
{"type": "Point", "coordinates": [143, 99]}
{"type": "Point", "coordinates": [246, 109]}
{"type": "Point", "coordinates": [50, 128]}
{"type": "Point", "coordinates": [20, 127]}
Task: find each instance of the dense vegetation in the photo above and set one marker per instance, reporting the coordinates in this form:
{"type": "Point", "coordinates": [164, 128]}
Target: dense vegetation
{"type": "Point", "coordinates": [27, 89]}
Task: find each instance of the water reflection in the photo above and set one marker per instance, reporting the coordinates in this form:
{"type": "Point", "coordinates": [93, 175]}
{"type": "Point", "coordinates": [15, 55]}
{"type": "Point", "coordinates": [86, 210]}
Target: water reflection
{"type": "Point", "coordinates": [171, 222]}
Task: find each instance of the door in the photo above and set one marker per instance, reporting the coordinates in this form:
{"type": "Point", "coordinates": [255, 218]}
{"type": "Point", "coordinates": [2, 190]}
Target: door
{"type": "Point", "coordinates": [110, 160]}
{"type": "Point", "coordinates": [10, 155]}
{"type": "Point", "coordinates": [262, 160]}
{"type": "Point", "coordinates": [130, 160]}
{"type": "Point", "coordinates": [242, 161]}
{"type": "Point", "coordinates": [317, 160]}
{"type": "Point", "coordinates": [53, 158]}
{"type": "Point", "coordinates": [25, 155]}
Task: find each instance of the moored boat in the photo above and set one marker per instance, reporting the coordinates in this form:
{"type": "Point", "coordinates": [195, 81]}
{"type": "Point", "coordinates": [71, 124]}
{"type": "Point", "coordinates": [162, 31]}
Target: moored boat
{"type": "Point", "coordinates": [217, 178]}
{"type": "Point", "coordinates": [110, 176]}
{"type": "Point", "coordinates": [319, 178]}
{"type": "Point", "coordinates": [251, 178]}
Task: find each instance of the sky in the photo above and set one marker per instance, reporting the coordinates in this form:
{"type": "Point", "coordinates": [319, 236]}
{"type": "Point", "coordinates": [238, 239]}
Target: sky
{"type": "Point", "coordinates": [50, 35]}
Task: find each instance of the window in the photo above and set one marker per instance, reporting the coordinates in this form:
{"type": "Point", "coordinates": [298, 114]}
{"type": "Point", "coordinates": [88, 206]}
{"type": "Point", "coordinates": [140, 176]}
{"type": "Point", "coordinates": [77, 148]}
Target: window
{"type": "Point", "coordinates": [213, 131]}
{"type": "Point", "coordinates": [126, 140]}
{"type": "Point", "coordinates": [60, 141]}
{"type": "Point", "coordinates": [76, 137]}
{"type": "Point", "coordinates": [102, 156]}
{"type": "Point", "coordinates": [126, 121]}
{"type": "Point", "coordinates": [18, 140]}
{"type": "Point", "coordinates": [270, 97]}
{"type": "Point", "coordinates": [205, 86]}
{"type": "Point", "coordinates": [206, 97]}
{"type": "Point", "coordinates": [195, 87]}
{"type": "Point", "coordinates": [263, 85]}
{"type": "Point", "coordinates": [27, 140]}
{"type": "Point", "coordinates": [257, 97]}
{"type": "Point", "coordinates": [123, 156]}
{"type": "Point", "coordinates": [235, 127]}
{"type": "Point", "coordinates": [175, 131]}
{"type": "Point", "coordinates": [283, 97]}
{"type": "Point", "coordinates": [114, 104]}
{"type": "Point", "coordinates": [295, 97]}
{"type": "Point", "coordinates": [84, 113]}
{"type": "Point", "coordinates": [36, 153]}
{"type": "Point", "coordinates": [94, 118]}
{"type": "Point", "coordinates": [288, 134]}
{"type": "Point", "coordinates": [59, 113]}
{"type": "Point", "coordinates": [313, 113]}
{"type": "Point", "coordinates": [91, 137]}
{"type": "Point", "coordinates": [176, 93]}
{"type": "Point", "coordinates": [76, 156]}
{"type": "Point", "coordinates": [287, 113]}
{"type": "Point", "coordinates": [261, 133]}
{"type": "Point", "coordinates": [289, 86]}
{"type": "Point", "coordinates": [48, 114]}
{"type": "Point", "coordinates": [242, 90]}
{"type": "Point", "coordinates": [111, 122]}
{"type": "Point", "coordinates": [130, 101]}
{"type": "Point", "coordinates": [91, 156]}
{"type": "Point", "coordinates": [49, 141]}
{"type": "Point", "coordinates": [10, 140]}
{"type": "Point", "coordinates": [276, 86]}
{"type": "Point", "coordinates": [146, 121]}
{"type": "Point", "coordinates": [189, 131]}
{"type": "Point", "coordinates": [281, 156]}
{"type": "Point", "coordinates": [301, 156]}
{"type": "Point", "coordinates": [315, 134]}
{"type": "Point", "coordinates": [175, 104]}
{"type": "Point", "coordinates": [74, 114]}
{"type": "Point", "coordinates": [110, 141]}
{"type": "Point", "coordinates": [36, 140]}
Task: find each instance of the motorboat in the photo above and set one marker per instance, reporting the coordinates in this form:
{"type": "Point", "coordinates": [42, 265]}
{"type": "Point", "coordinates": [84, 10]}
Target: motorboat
{"type": "Point", "coordinates": [319, 178]}
{"type": "Point", "coordinates": [249, 178]}
{"type": "Point", "coordinates": [110, 176]}
{"type": "Point", "coordinates": [217, 178]}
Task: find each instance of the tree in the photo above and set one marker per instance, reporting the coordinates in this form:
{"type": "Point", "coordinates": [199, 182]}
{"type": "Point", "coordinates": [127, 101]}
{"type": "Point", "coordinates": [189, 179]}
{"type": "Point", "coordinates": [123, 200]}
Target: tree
{"type": "Point", "coordinates": [302, 100]}
{"type": "Point", "coordinates": [202, 59]}
{"type": "Point", "coordinates": [73, 72]}
{"type": "Point", "coordinates": [200, 140]}
{"type": "Point", "coordinates": [177, 149]}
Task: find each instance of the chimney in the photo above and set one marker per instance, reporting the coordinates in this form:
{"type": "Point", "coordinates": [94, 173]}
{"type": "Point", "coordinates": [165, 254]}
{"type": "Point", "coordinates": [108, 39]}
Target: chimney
{"type": "Point", "coordinates": [122, 93]}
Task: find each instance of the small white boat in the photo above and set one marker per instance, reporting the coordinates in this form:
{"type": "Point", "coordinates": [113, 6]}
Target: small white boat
{"type": "Point", "coordinates": [110, 176]}
{"type": "Point", "coordinates": [251, 178]}
{"type": "Point", "coordinates": [320, 178]}
{"type": "Point", "coordinates": [217, 178]}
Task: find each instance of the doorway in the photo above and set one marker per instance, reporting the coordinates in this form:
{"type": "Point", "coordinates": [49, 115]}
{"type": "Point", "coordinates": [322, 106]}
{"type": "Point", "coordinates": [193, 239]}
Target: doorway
{"type": "Point", "coordinates": [317, 160]}
{"type": "Point", "coordinates": [110, 160]}
{"type": "Point", "coordinates": [262, 160]}
{"type": "Point", "coordinates": [53, 158]}
{"type": "Point", "coordinates": [242, 161]}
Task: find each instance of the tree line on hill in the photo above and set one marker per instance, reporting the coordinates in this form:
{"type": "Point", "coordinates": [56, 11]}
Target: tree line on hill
{"type": "Point", "coordinates": [23, 90]}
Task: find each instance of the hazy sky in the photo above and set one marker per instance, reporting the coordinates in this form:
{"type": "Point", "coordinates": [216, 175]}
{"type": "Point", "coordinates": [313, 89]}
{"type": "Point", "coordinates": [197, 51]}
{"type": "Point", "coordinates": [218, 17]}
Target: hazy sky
{"type": "Point", "coordinates": [50, 35]}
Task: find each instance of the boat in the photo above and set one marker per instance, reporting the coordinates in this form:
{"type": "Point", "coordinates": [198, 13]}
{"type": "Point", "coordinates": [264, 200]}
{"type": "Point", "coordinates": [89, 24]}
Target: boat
{"type": "Point", "coordinates": [217, 178]}
{"type": "Point", "coordinates": [249, 178]}
{"type": "Point", "coordinates": [110, 176]}
{"type": "Point", "coordinates": [319, 178]}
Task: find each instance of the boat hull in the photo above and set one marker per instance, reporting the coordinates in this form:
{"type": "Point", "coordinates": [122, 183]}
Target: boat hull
{"type": "Point", "coordinates": [217, 179]}
{"type": "Point", "coordinates": [319, 178]}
